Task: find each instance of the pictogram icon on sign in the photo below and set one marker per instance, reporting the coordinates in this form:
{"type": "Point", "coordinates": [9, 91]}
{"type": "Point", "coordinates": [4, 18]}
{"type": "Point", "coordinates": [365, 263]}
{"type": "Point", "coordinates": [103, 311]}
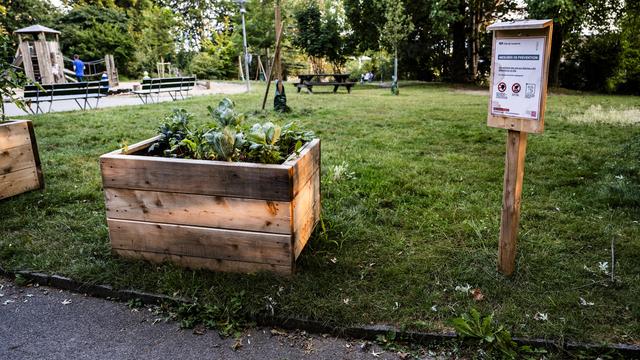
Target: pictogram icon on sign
{"type": "Point", "coordinates": [502, 87]}
{"type": "Point", "coordinates": [516, 88]}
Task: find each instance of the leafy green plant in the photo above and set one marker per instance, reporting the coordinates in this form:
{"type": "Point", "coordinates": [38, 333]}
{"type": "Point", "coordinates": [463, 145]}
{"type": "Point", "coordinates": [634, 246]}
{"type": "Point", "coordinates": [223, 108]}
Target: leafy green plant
{"type": "Point", "coordinates": [487, 333]}
{"type": "Point", "coordinates": [228, 318]}
{"type": "Point", "coordinates": [227, 138]}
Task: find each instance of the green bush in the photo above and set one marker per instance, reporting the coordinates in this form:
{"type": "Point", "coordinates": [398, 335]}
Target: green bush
{"type": "Point", "coordinates": [602, 52]}
{"type": "Point", "coordinates": [205, 66]}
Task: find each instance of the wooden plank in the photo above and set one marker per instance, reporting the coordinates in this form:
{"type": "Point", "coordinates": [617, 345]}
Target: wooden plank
{"type": "Point", "coordinates": [203, 177]}
{"type": "Point", "coordinates": [513, 177]}
{"type": "Point", "coordinates": [14, 134]}
{"type": "Point", "coordinates": [26, 59]}
{"type": "Point", "coordinates": [200, 242]}
{"type": "Point", "coordinates": [304, 166]}
{"type": "Point", "coordinates": [18, 182]}
{"type": "Point", "coordinates": [306, 213]}
{"type": "Point", "coordinates": [16, 158]}
{"type": "Point", "coordinates": [193, 262]}
{"type": "Point", "coordinates": [36, 153]}
{"type": "Point", "coordinates": [199, 210]}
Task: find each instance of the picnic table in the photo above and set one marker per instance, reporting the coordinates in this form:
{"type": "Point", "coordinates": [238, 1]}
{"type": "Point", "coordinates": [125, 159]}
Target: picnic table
{"type": "Point", "coordinates": [308, 81]}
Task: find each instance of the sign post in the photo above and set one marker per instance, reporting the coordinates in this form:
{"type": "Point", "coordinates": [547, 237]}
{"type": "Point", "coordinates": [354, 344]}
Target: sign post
{"type": "Point", "coordinates": [519, 71]}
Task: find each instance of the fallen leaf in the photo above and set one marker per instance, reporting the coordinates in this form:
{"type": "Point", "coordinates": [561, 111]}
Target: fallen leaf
{"type": "Point", "coordinates": [237, 345]}
{"type": "Point", "coordinates": [375, 354]}
{"type": "Point", "coordinates": [477, 294]}
{"type": "Point", "coordinates": [465, 289]}
{"type": "Point", "coordinates": [275, 332]}
{"type": "Point", "coordinates": [541, 316]}
{"type": "Point", "coordinates": [334, 260]}
{"type": "Point", "coordinates": [199, 329]}
{"type": "Point", "coordinates": [434, 308]}
{"type": "Point", "coordinates": [66, 302]}
{"type": "Point", "coordinates": [584, 302]}
{"type": "Point", "coordinates": [346, 301]}
{"type": "Point", "coordinates": [403, 355]}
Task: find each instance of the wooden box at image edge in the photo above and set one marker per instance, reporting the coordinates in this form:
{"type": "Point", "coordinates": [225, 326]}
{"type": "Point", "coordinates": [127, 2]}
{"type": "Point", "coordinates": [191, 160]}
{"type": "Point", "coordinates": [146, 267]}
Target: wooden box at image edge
{"type": "Point", "coordinates": [221, 216]}
{"type": "Point", "coordinates": [20, 169]}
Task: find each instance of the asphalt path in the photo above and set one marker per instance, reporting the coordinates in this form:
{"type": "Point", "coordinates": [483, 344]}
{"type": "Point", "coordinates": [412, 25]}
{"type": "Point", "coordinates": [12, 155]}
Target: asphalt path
{"type": "Point", "coordinates": [44, 323]}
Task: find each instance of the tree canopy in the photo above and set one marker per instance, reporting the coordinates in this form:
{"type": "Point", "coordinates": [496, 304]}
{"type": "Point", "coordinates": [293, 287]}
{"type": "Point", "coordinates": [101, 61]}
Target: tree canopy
{"type": "Point", "coordinates": [443, 40]}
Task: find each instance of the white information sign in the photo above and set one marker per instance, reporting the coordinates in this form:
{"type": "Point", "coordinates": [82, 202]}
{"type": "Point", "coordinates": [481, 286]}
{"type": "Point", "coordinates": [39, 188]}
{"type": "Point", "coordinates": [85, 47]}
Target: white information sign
{"type": "Point", "coordinates": [517, 77]}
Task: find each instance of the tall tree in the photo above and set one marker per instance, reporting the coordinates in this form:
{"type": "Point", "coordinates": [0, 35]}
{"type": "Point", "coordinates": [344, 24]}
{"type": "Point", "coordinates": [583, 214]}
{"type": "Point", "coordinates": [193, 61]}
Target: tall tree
{"type": "Point", "coordinates": [396, 29]}
{"type": "Point", "coordinates": [571, 16]}
{"type": "Point", "coordinates": [22, 13]}
{"type": "Point", "coordinates": [156, 38]}
{"type": "Point", "coordinates": [365, 18]}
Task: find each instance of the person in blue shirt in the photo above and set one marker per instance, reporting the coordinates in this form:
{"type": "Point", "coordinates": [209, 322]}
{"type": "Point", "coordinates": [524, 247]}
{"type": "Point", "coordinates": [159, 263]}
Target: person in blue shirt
{"type": "Point", "coordinates": [78, 67]}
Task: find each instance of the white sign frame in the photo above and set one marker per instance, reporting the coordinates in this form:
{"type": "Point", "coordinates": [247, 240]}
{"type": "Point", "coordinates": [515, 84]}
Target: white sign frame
{"type": "Point", "coordinates": [512, 31]}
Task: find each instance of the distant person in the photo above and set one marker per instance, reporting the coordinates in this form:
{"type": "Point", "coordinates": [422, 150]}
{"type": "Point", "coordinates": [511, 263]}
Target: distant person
{"type": "Point", "coordinates": [105, 77]}
{"type": "Point", "coordinates": [78, 67]}
{"type": "Point", "coordinates": [55, 69]}
{"type": "Point", "coordinates": [145, 75]}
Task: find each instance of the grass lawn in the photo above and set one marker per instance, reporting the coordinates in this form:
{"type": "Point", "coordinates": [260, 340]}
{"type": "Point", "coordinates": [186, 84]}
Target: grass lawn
{"type": "Point", "coordinates": [419, 217]}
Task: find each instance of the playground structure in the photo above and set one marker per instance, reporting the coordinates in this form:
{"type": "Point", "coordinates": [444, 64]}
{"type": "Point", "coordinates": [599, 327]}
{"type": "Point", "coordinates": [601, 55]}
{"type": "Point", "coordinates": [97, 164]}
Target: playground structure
{"type": "Point", "coordinates": [40, 56]}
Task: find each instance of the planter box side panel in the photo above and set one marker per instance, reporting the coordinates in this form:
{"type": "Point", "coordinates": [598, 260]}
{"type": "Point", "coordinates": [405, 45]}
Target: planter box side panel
{"type": "Point", "coordinates": [19, 161]}
{"type": "Point", "coordinates": [199, 210]}
{"type": "Point", "coordinates": [202, 177]}
{"type": "Point", "coordinates": [306, 211]}
{"type": "Point", "coordinates": [204, 263]}
{"type": "Point", "coordinates": [305, 166]}
{"type": "Point", "coordinates": [215, 245]}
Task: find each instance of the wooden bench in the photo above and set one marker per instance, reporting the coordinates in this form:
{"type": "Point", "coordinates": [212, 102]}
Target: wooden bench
{"type": "Point", "coordinates": [174, 86]}
{"type": "Point", "coordinates": [336, 84]}
{"type": "Point", "coordinates": [306, 81]}
{"type": "Point", "coordinates": [35, 94]}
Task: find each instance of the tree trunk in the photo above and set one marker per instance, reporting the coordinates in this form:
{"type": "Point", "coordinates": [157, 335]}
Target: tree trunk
{"type": "Point", "coordinates": [474, 39]}
{"type": "Point", "coordinates": [395, 66]}
{"type": "Point", "coordinates": [459, 49]}
{"type": "Point", "coordinates": [556, 55]}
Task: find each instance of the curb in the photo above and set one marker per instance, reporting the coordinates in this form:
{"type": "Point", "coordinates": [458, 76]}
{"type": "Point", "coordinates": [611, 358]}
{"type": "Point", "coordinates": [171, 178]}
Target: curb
{"type": "Point", "coordinates": [367, 332]}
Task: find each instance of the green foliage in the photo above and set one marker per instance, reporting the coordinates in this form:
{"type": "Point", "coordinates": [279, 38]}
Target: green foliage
{"type": "Point", "coordinates": [486, 333]}
{"type": "Point", "coordinates": [228, 318]}
{"type": "Point", "coordinates": [205, 66]}
{"type": "Point", "coordinates": [319, 35]}
{"type": "Point", "coordinates": [155, 41]}
{"type": "Point", "coordinates": [217, 59]}
{"type": "Point", "coordinates": [366, 18]}
{"type": "Point", "coordinates": [93, 32]}
{"type": "Point", "coordinates": [10, 77]}
{"type": "Point", "coordinates": [23, 13]}
{"type": "Point", "coordinates": [602, 52]}
{"type": "Point", "coordinates": [621, 183]}
{"type": "Point", "coordinates": [397, 26]}
{"type": "Point", "coordinates": [227, 138]}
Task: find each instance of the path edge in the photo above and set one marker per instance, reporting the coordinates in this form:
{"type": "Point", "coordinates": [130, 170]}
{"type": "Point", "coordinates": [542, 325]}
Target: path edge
{"type": "Point", "coordinates": [366, 332]}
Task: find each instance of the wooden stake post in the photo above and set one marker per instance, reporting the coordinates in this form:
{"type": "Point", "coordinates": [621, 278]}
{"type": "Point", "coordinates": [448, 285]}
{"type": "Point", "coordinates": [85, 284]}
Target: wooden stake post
{"type": "Point", "coordinates": [518, 97]}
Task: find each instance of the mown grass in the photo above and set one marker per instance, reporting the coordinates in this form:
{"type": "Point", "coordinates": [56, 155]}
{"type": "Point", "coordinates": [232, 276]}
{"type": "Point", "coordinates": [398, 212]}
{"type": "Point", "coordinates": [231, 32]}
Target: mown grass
{"type": "Point", "coordinates": [419, 218]}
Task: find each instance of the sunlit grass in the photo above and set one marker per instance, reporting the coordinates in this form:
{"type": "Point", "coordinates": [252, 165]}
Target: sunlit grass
{"type": "Point", "coordinates": [412, 189]}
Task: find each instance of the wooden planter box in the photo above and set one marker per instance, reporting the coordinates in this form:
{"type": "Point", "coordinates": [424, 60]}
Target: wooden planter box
{"type": "Point", "coordinates": [216, 215]}
{"type": "Point", "coordinates": [20, 169]}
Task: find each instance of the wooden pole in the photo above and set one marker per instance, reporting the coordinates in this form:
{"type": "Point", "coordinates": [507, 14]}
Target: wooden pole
{"type": "Point", "coordinates": [279, 27]}
{"type": "Point", "coordinates": [511, 198]}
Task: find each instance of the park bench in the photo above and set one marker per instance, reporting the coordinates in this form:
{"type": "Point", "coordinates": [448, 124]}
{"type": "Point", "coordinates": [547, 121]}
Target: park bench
{"type": "Point", "coordinates": [306, 81]}
{"type": "Point", "coordinates": [35, 94]}
{"type": "Point", "coordinates": [174, 86]}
